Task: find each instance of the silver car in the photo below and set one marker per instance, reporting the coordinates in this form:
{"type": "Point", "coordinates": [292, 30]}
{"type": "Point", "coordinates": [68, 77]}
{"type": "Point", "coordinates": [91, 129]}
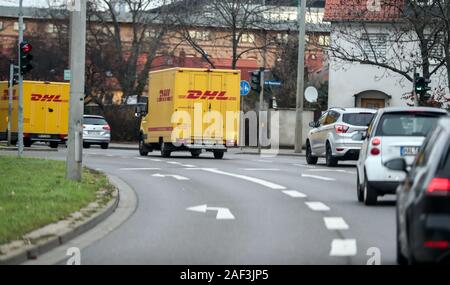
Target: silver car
{"type": "Point", "coordinates": [96, 131]}
{"type": "Point", "coordinates": [331, 136]}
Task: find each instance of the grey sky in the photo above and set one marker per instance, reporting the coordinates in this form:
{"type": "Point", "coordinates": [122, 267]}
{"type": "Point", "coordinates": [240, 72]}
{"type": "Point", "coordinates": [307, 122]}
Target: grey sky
{"type": "Point", "coordinates": [36, 3]}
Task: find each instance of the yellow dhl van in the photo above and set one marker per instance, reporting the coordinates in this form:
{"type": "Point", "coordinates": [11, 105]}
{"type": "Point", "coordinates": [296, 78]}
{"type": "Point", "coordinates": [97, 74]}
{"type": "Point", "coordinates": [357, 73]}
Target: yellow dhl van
{"type": "Point", "coordinates": [45, 112]}
{"type": "Point", "coordinates": [190, 109]}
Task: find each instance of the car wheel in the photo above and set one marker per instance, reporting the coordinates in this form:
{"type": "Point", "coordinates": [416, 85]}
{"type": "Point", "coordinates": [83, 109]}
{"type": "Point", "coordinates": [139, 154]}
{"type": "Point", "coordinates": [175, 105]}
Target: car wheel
{"type": "Point", "coordinates": [196, 153]}
{"type": "Point", "coordinates": [370, 194]}
{"type": "Point", "coordinates": [104, 146]}
{"type": "Point", "coordinates": [53, 144]}
{"type": "Point", "coordinates": [330, 160]}
{"type": "Point", "coordinates": [401, 259]}
{"type": "Point", "coordinates": [310, 159]}
{"type": "Point", "coordinates": [164, 151]}
{"type": "Point", "coordinates": [218, 154]}
{"type": "Point", "coordinates": [142, 149]}
{"type": "Point", "coordinates": [359, 191]}
{"type": "Point", "coordinates": [27, 143]}
{"type": "Point", "coordinates": [86, 145]}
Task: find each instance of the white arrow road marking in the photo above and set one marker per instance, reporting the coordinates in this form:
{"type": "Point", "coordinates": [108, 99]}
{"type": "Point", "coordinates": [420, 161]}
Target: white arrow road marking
{"type": "Point", "coordinates": [294, 194]}
{"type": "Point", "coordinates": [317, 206]}
{"type": "Point", "coordinates": [335, 223]}
{"type": "Point", "coordinates": [177, 177]}
{"type": "Point", "coordinates": [137, 169]}
{"type": "Point", "coordinates": [343, 247]}
{"type": "Point", "coordinates": [248, 178]}
{"type": "Point", "coordinates": [318, 177]}
{"type": "Point", "coordinates": [222, 213]}
{"type": "Point", "coordinates": [261, 169]}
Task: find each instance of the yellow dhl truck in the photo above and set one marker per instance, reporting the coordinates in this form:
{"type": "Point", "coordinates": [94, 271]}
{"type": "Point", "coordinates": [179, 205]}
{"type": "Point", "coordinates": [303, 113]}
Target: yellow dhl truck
{"type": "Point", "coordinates": [45, 112]}
{"type": "Point", "coordinates": [190, 109]}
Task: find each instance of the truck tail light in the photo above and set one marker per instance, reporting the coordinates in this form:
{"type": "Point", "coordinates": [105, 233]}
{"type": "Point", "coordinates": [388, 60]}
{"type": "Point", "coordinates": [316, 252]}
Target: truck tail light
{"type": "Point", "coordinates": [107, 128]}
{"type": "Point", "coordinates": [341, 129]}
{"type": "Point", "coordinates": [442, 244]}
{"type": "Point", "coordinates": [439, 187]}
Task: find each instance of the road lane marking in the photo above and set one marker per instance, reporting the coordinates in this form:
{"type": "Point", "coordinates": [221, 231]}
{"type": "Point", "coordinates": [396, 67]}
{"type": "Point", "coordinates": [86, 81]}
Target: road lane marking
{"type": "Point", "coordinates": [331, 170]}
{"type": "Point", "coordinates": [174, 162]}
{"type": "Point", "coordinates": [304, 165]}
{"type": "Point", "coordinates": [141, 158]}
{"type": "Point", "coordinates": [294, 194]}
{"type": "Point", "coordinates": [222, 213]}
{"type": "Point", "coordinates": [188, 165]}
{"type": "Point", "coordinates": [244, 177]}
{"type": "Point", "coordinates": [335, 223]}
{"type": "Point", "coordinates": [177, 177]}
{"type": "Point", "coordinates": [155, 159]}
{"type": "Point", "coordinates": [343, 247]}
{"type": "Point", "coordinates": [317, 206]}
{"type": "Point", "coordinates": [261, 169]}
{"type": "Point", "coordinates": [318, 177]}
{"type": "Point", "coordinates": [262, 160]}
{"type": "Point", "coordinates": [137, 169]}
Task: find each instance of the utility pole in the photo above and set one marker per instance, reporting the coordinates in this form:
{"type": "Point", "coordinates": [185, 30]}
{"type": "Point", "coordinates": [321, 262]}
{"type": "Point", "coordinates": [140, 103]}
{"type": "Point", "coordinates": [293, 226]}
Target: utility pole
{"type": "Point", "coordinates": [415, 98]}
{"type": "Point", "coordinates": [20, 99]}
{"type": "Point", "coordinates": [10, 99]}
{"type": "Point", "coordinates": [77, 80]}
{"type": "Point", "coordinates": [301, 10]}
{"type": "Point", "coordinates": [261, 103]}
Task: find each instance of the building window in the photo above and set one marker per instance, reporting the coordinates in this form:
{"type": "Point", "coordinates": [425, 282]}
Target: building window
{"type": "Point", "coordinates": [150, 34]}
{"type": "Point", "coordinates": [282, 38]}
{"type": "Point", "coordinates": [247, 38]}
{"type": "Point", "coordinates": [374, 45]}
{"type": "Point", "coordinates": [200, 35]}
{"type": "Point", "coordinates": [51, 28]}
{"type": "Point", "coordinates": [16, 26]}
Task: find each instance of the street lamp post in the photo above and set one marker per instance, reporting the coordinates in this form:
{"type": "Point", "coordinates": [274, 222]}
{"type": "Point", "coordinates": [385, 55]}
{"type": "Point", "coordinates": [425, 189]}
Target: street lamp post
{"type": "Point", "coordinates": [301, 10]}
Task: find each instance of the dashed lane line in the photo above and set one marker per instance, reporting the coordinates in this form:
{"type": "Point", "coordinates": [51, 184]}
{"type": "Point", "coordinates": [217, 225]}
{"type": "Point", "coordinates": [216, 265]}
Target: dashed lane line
{"type": "Point", "coordinates": [343, 247]}
{"type": "Point", "coordinates": [317, 206]}
{"type": "Point", "coordinates": [294, 194]}
{"type": "Point", "coordinates": [335, 223]}
{"type": "Point", "coordinates": [318, 177]}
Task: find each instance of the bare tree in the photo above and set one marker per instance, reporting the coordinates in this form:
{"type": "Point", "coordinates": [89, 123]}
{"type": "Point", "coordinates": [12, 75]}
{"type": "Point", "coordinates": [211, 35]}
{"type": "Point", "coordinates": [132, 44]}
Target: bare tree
{"type": "Point", "coordinates": [408, 39]}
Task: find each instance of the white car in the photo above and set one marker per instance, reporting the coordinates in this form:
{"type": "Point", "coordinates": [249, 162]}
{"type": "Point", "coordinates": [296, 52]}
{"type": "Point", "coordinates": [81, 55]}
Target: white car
{"type": "Point", "coordinates": [96, 131]}
{"type": "Point", "coordinates": [393, 133]}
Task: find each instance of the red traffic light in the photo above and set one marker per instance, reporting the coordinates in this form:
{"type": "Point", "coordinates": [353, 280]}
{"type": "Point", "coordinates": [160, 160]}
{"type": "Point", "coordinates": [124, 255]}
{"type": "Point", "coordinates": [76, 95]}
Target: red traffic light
{"type": "Point", "coordinates": [26, 47]}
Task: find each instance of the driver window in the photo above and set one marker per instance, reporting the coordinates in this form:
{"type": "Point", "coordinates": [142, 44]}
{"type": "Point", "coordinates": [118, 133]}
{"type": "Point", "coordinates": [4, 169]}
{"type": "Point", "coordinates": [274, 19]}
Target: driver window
{"type": "Point", "coordinates": [322, 119]}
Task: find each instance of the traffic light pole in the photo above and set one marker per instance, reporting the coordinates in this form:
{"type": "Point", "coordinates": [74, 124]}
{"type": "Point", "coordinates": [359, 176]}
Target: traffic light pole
{"type": "Point", "coordinates": [261, 103]}
{"type": "Point", "coordinates": [20, 99]}
{"type": "Point", "coordinates": [300, 76]}
{"type": "Point", "coordinates": [77, 66]}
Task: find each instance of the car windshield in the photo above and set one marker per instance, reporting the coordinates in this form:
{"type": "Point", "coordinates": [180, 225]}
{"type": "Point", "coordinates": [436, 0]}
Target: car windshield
{"type": "Point", "coordinates": [407, 124]}
{"type": "Point", "coordinates": [358, 119]}
{"type": "Point", "coordinates": [94, 121]}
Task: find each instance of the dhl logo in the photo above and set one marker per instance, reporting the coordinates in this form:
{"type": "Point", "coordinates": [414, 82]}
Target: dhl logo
{"type": "Point", "coordinates": [211, 95]}
{"type": "Point", "coordinates": [47, 98]}
{"type": "Point", "coordinates": [5, 96]}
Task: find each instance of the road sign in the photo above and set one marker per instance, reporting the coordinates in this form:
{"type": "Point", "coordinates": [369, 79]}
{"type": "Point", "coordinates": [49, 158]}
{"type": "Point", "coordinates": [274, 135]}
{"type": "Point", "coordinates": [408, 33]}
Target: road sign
{"type": "Point", "coordinates": [311, 94]}
{"type": "Point", "coordinates": [245, 87]}
{"type": "Point", "coordinates": [66, 74]}
{"type": "Point", "coordinates": [272, 83]}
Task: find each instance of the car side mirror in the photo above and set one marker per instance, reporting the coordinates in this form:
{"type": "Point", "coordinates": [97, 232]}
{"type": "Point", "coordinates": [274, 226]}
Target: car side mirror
{"type": "Point", "coordinates": [397, 164]}
{"type": "Point", "coordinates": [141, 109]}
{"type": "Point", "coordinates": [313, 124]}
{"type": "Point", "coordinates": [359, 136]}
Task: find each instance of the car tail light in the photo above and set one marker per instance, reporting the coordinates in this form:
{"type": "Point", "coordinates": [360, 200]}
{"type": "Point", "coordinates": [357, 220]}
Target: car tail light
{"type": "Point", "coordinates": [376, 142]}
{"type": "Point", "coordinates": [341, 129]}
{"type": "Point", "coordinates": [375, 151]}
{"type": "Point", "coordinates": [436, 244]}
{"type": "Point", "coordinates": [439, 187]}
{"type": "Point", "coordinates": [61, 136]}
{"type": "Point", "coordinates": [25, 135]}
{"type": "Point", "coordinates": [107, 128]}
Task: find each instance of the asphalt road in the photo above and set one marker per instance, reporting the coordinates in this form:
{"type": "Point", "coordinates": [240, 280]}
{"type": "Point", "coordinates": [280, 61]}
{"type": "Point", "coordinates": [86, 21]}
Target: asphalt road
{"type": "Point", "coordinates": [274, 210]}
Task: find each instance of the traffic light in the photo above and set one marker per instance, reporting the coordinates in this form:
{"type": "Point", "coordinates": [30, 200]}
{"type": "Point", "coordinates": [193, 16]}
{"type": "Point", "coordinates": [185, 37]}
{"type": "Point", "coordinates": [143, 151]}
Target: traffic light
{"type": "Point", "coordinates": [421, 86]}
{"type": "Point", "coordinates": [256, 81]}
{"type": "Point", "coordinates": [25, 57]}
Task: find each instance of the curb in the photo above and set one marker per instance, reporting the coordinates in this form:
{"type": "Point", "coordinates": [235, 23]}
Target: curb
{"type": "Point", "coordinates": [33, 251]}
{"type": "Point", "coordinates": [13, 148]}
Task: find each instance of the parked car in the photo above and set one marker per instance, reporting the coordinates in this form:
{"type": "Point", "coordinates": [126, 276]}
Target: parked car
{"type": "Point", "coordinates": [423, 201]}
{"type": "Point", "coordinates": [96, 131]}
{"type": "Point", "coordinates": [393, 133]}
{"type": "Point", "coordinates": [331, 135]}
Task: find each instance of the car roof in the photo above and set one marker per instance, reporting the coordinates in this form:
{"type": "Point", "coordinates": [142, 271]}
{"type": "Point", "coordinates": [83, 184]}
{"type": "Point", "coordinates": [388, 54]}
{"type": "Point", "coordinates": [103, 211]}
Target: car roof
{"type": "Point", "coordinates": [354, 110]}
{"type": "Point", "coordinates": [406, 109]}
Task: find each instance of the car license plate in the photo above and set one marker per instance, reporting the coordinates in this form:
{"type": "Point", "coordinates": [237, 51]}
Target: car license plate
{"type": "Point", "coordinates": [93, 132]}
{"type": "Point", "coordinates": [409, 150]}
{"type": "Point", "coordinates": [44, 136]}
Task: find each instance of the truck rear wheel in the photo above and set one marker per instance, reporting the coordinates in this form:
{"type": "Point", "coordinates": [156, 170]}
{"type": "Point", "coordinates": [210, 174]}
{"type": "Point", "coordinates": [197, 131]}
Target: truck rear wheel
{"type": "Point", "coordinates": [54, 144]}
{"type": "Point", "coordinates": [142, 149]}
{"type": "Point", "coordinates": [218, 154]}
{"type": "Point", "coordinates": [164, 151]}
{"type": "Point", "coordinates": [196, 153]}
{"type": "Point", "coordinates": [27, 143]}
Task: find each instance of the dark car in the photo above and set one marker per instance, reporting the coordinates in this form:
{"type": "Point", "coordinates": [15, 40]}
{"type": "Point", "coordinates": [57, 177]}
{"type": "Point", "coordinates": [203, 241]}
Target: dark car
{"type": "Point", "coordinates": [423, 201]}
